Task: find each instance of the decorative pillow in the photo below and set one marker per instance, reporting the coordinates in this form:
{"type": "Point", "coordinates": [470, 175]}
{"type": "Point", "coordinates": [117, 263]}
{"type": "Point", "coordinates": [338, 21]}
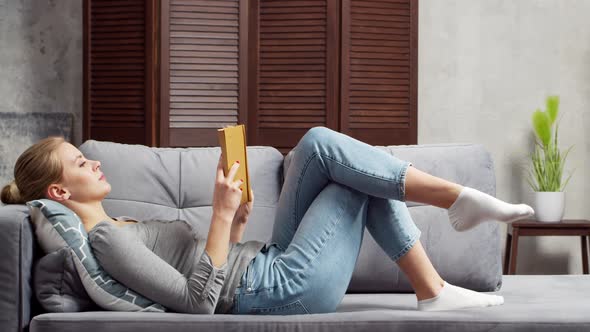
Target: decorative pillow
{"type": "Point", "coordinates": [57, 284]}
{"type": "Point", "coordinates": [56, 226]}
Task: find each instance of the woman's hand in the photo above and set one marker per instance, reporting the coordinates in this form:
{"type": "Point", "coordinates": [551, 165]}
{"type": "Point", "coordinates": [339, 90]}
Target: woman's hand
{"type": "Point", "coordinates": [227, 193]}
{"type": "Point", "coordinates": [240, 219]}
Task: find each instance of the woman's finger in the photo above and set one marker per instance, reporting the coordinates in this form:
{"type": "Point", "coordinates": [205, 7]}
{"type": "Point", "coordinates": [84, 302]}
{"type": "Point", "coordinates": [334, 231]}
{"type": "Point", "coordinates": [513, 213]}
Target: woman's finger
{"type": "Point", "coordinates": [238, 183]}
{"type": "Point", "coordinates": [220, 168]}
{"type": "Point", "coordinates": [232, 172]}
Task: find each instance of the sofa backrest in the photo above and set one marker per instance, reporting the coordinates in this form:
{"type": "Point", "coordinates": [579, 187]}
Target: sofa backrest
{"type": "Point", "coordinates": [177, 183]}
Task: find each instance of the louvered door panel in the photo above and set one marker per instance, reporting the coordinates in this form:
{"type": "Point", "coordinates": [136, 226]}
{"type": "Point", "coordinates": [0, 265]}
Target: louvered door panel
{"type": "Point", "coordinates": [297, 70]}
{"type": "Point", "coordinates": [202, 78]}
{"type": "Point", "coordinates": [116, 79]}
{"type": "Point", "coordinates": [379, 71]}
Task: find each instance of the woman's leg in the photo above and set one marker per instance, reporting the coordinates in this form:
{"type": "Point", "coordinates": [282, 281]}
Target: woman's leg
{"type": "Point", "coordinates": [313, 272]}
{"type": "Point", "coordinates": [322, 156]}
{"type": "Point", "coordinates": [467, 207]}
{"type": "Point", "coordinates": [389, 222]}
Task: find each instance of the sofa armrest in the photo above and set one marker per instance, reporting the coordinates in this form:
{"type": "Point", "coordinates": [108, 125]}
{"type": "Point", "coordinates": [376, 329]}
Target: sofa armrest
{"type": "Point", "coordinates": [16, 262]}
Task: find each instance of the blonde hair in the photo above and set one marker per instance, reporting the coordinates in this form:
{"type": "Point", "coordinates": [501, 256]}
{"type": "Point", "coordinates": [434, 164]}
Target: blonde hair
{"type": "Point", "coordinates": [35, 169]}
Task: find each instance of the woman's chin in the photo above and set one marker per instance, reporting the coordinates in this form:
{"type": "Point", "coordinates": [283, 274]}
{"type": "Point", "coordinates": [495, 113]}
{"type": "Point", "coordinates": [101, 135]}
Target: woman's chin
{"type": "Point", "coordinates": [107, 189]}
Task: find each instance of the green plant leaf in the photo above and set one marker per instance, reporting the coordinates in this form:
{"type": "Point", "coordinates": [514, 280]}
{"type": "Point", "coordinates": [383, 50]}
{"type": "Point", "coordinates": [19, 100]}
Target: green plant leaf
{"type": "Point", "coordinates": [552, 108]}
{"type": "Point", "coordinates": [547, 160]}
{"type": "Point", "coordinates": [542, 127]}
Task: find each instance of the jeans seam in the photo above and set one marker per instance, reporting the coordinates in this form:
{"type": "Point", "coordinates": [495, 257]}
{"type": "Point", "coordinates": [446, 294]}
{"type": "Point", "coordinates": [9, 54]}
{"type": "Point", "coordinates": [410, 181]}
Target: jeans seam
{"type": "Point", "coordinates": [352, 168]}
{"type": "Point", "coordinates": [407, 246]}
{"type": "Point", "coordinates": [282, 307]}
{"type": "Point", "coordinates": [305, 166]}
{"type": "Point", "coordinates": [402, 180]}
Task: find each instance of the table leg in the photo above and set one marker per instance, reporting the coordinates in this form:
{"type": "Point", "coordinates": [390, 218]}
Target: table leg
{"type": "Point", "coordinates": [584, 254]}
{"type": "Point", "coordinates": [507, 253]}
{"type": "Point", "coordinates": [512, 269]}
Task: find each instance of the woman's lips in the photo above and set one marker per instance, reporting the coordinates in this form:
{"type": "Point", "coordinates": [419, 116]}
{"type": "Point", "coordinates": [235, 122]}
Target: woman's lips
{"type": "Point", "coordinates": [101, 177]}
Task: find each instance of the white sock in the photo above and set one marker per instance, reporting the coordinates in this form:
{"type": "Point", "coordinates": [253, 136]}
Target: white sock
{"type": "Point", "coordinates": [453, 297]}
{"type": "Point", "coordinates": [473, 207]}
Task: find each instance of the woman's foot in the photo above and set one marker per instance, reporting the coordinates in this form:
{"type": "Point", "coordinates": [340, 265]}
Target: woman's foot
{"type": "Point", "coordinates": [452, 297]}
{"type": "Point", "coordinates": [473, 207]}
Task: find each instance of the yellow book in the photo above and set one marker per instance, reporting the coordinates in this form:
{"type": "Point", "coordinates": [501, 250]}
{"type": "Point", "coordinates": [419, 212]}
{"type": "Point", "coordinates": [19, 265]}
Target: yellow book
{"type": "Point", "coordinates": [232, 141]}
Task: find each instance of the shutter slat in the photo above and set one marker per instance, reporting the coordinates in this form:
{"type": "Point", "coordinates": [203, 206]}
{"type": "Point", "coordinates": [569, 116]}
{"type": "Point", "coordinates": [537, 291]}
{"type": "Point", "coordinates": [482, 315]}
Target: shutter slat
{"type": "Point", "coordinates": [289, 87]}
{"type": "Point", "coordinates": [191, 111]}
{"type": "Point", "coordinates": [205, 9]}
{"type": "Point", "coordinates": [202, 28]}
{"type": "Point", "coordinates": [284, 112]}
{"type": "Point", "coordinates": [293, 29]}
{"type": "Point", "coordinates": [204, 93]}
{"type": "Point", "coordinates": [402, 4]}
{"type": "Point", "coordinates": [292, 93]}
{"type": "Point", "coordinates": [187, 60]}
{"type": "Point", "coordinates": [204, 3]}
{"type": "Point", "coordinates": [291, 3]}
{"type": "Point", "coordinates": [291, 80]}
{"type": "Point", "coordinates": [208, 87]}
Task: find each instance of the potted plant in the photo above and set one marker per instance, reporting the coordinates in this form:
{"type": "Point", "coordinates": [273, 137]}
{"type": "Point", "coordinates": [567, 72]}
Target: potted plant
{"type": "Point", "coordinates": [547, 162]}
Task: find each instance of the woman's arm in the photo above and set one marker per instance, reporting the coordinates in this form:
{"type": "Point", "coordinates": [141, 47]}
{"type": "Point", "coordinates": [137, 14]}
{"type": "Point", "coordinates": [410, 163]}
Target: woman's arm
{"type": "Point", "coordinates": [226, 200]}
{"type": "Point", "coordinates": [238, 225]}
{"type": "Point", "coordinates": [218, 239]}
{"type": "Point", "coordinates": [130, 262]}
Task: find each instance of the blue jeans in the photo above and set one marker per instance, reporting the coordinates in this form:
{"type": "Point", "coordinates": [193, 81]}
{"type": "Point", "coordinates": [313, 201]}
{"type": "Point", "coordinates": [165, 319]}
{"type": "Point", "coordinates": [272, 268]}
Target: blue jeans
{"type": "Point", "coordinates": [334, 186]}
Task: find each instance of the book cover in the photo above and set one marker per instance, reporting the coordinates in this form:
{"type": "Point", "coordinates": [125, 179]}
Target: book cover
{"type": "Point", "coordinates": [232, 141]}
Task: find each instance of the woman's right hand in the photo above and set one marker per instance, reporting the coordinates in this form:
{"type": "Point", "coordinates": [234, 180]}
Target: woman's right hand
{"type": "Point", "coordinates": [227, 193]}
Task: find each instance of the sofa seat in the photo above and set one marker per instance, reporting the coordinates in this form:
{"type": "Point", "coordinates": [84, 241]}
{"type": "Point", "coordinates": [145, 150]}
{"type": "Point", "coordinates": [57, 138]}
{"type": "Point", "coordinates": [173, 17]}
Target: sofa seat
{"type": "Point", "coordinates": [532, 302]}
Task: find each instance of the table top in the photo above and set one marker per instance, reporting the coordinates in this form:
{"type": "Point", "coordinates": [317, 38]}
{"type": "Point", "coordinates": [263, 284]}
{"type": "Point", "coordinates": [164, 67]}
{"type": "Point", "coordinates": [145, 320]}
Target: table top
{"type": "Point", "coordinates": [565, 223]}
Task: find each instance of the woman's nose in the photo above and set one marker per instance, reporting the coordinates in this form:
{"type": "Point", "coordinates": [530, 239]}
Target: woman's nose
{"type": "Point", "coordinates": [97, 165]}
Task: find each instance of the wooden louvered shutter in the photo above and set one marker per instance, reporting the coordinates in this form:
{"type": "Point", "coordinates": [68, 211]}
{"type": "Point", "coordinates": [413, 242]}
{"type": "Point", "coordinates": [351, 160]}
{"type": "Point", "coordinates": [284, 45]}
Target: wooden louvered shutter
{"type": "Point", "coordinates": [203, 69]}
{"type": "Point", "coordinates": [297, 71]}
{"type": "Point", "coordinates": [119, 71]}
{"type": "Point", "coordinates": [379, 71]}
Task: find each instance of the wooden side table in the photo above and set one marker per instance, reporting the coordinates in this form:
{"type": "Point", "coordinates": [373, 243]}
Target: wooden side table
{"type": "Point", "coordinates": [531, 227]}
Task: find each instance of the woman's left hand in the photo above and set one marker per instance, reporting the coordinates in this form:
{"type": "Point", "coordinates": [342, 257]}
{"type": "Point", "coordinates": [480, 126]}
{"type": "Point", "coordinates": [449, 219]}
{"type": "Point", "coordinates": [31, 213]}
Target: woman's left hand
{"type": "Point", "coordinates": [240, 219]}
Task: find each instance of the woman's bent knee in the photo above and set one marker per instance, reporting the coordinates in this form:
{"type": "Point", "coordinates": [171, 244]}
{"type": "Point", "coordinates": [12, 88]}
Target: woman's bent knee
{"type": "Point", "coordinates": [316, 135]}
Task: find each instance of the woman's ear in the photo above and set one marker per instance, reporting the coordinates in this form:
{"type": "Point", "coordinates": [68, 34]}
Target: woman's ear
{"type": "Point", "coordinates": [57, 193]}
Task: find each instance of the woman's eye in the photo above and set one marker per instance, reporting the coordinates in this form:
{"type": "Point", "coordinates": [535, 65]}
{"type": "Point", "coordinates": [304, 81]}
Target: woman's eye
{"type": "Point", "coordinates": [82, 164]}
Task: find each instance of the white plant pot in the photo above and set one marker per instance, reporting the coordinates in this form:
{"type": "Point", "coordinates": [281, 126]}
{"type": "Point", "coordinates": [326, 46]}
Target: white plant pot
{"type": "Point", "coordinates": [549, 205]}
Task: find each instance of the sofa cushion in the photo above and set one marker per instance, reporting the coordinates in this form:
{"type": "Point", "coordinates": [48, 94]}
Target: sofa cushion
{"type": "Point", "coordinates": [67, 231]}
{"type": "Point", "coordinates": [57, 285]}
{"type": "Point", "coordinates": [532, 303]}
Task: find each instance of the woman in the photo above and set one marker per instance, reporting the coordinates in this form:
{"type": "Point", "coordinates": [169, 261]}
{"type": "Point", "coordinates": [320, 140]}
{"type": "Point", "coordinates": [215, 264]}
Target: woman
{"type": "Point", "coordinates": [334, 187]}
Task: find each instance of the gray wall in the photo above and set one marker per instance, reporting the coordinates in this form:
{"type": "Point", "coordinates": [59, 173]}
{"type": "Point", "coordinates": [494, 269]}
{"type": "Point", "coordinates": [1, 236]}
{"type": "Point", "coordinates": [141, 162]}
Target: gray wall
{"type": "Point", "coordinates": [484, 67]}
{"type": "Point", "coordinates": [41, 58]}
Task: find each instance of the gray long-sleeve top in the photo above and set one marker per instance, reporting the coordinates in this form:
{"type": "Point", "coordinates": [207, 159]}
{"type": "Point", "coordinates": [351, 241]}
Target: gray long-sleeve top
{"type": "Point", "coordinates": [166, 262]}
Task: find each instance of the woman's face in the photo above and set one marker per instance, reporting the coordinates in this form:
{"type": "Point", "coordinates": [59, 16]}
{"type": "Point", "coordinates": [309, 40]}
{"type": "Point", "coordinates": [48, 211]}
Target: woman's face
{"type": "Point", "coordinates": [82, 181]}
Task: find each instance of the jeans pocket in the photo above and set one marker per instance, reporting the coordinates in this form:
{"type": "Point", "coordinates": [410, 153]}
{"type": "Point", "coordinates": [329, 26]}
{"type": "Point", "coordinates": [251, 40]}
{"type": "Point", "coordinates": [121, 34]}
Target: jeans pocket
{"type": "Point", "coordinates": [293, 308]}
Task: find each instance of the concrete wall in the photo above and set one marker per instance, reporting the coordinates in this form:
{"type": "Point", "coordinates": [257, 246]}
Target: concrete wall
{"type": "Point", "coordinates": [484, 67]}
{"type": "Point", "coordinates": [41, 58]}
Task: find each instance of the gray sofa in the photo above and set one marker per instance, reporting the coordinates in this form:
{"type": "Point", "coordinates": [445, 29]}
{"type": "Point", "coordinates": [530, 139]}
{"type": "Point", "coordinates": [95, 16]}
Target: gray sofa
{"type": "Point", "coordinates": [177, 183]}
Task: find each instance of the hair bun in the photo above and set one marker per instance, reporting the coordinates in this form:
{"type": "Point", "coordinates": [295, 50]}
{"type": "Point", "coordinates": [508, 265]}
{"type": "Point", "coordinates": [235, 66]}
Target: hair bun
{"type": "Point", "coordinates": [11, 194]}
